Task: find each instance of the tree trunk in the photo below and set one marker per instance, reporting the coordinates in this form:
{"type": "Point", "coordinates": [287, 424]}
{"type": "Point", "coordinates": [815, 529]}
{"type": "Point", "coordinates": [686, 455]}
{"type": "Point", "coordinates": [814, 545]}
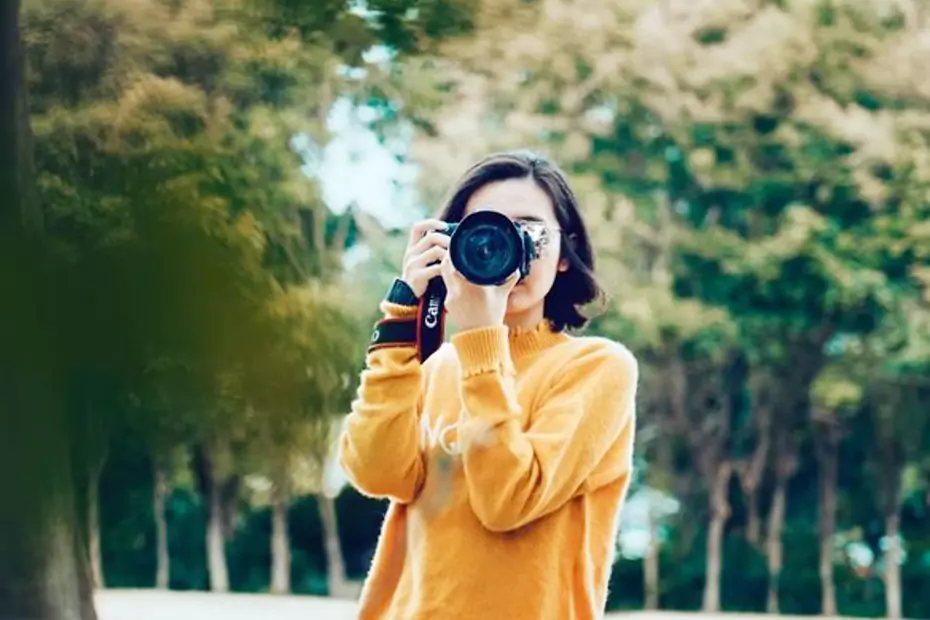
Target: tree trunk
{"type": "Point", "coordinates": [44, 568]}
{"type": "Point", "coordinates": [651, 566]}
{"type": "Point", "coordinates": [85, 576]}
{"type": "Point", "coordinates": [280, 542]}
{"type": "Point", "coordinates": [163, 558]}
{"type": "Point", "coordinates": [93, 529]}
{"type": "Point", "coordinates": [892, 567]}
{"type": "Point", "coordinates": [40, 563]}
{"type": "Point", "coordinates": [229, 498]}
{"type": "Point", "coordinates": [719, 513]}
{"type": "Point", "coordinates": [753, 522]}
{"type": "Point", "coordinates": [773, 544]}
{"type": "Point", "coordinates": [216, 539]}
{"type": "Point", "coordinates": [21, 211]}
{"type": "Point", "coordinates": [827, 533]}
{"type": "Point", "coordinates": [749, 474]}
{"type": "Point", "coordinates": [827, 441]}
{"type": "Point", "coordinates": [785, 460]}
{"type": "Point", "coordinates": [338, 585]}
{"type": "Point", "coordinates": [751, 471]}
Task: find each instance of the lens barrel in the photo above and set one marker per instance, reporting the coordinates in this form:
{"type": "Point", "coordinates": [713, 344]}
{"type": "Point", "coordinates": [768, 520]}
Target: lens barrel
{"type": "Point", "coordinates": [487, 248]}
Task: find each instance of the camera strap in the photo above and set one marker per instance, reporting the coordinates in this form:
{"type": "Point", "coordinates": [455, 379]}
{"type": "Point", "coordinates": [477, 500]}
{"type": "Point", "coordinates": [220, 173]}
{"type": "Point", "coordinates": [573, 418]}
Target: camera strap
{"type": "Point", "coordinates": [426, 331]}
{"type": "Point", "coordinates": [393, 333]}
{"type": "Point", "coordinates": [431, 319]}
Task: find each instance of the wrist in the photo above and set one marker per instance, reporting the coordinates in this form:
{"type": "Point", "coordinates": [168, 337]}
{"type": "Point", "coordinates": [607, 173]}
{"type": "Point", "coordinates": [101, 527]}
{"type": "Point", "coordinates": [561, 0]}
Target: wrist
{"type": "Point", "coordinates": [401, 294]}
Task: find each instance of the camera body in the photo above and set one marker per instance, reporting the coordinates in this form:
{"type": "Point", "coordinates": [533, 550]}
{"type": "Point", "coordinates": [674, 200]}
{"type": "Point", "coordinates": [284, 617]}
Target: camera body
{"type": "Point", "coordinates": [487, 247]}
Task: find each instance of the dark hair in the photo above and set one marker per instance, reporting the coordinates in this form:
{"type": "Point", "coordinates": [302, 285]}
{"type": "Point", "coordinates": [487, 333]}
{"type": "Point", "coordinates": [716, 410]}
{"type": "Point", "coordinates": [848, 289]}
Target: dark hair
{"type": "Point", "coordinates": [572, 288]}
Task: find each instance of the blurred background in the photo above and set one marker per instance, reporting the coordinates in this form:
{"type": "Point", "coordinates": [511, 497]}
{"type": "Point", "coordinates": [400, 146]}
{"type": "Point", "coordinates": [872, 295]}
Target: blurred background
{"type": "Point", "coordinates": [203, 202]}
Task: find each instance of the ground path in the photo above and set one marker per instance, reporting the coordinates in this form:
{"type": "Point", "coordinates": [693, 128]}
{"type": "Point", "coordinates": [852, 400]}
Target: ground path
{"type": "Point", "coordinates": [156, 605]}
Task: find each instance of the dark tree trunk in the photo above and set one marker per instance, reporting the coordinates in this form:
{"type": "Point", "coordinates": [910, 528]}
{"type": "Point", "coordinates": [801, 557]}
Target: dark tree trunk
{"type": "Point", "coordinates": [750, 471]}
{"type": "Point", "coordinates": [40, 571]}
{"type": "Point", "coordinates": [216, 536]}
{"type": "Point", "coordinates": [773, 544]}
{"type": "Point", "coordinates": [827, 442]}
{"type": "Point", "coordinates": [785, 465]}
{"type": "Point", "coordinates": [707, 442]}
{"type": "Point", "coordinates": [750, 476]}
{"type": "Point", "coordinates": [81, 545]}
{"type": "Point", "coordinates": [44, 565]}
{"type": "Point", "coordinates": [785, 421]}
{"type": "Point", "coordinates": [229, 498]}
{"type": "Point", "coordinates": [753, 521]}
{"type": "Point", "coordinates": [212, 490]}
{"type": "Point", "coordinates": [19, 209]}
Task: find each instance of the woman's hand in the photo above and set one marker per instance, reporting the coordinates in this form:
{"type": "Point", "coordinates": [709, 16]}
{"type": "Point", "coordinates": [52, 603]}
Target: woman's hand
{"type": "Point", "coordinates": [426, 248]}
{"type": "Point", "coordinates": [471, 306]}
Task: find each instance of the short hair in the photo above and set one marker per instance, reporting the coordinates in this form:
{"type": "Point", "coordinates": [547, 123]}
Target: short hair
{"type": "Point", "coordinates": [573, 288]}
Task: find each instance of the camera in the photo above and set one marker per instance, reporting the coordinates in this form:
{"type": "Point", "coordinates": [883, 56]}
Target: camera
{"type": "Point", "coordinates": [487, 247]}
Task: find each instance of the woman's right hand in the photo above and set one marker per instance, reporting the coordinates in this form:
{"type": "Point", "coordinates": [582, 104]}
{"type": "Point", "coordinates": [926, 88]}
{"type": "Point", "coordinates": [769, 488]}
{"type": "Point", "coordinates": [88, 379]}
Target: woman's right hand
{"type": "Point", "coordinates": [426, 248]}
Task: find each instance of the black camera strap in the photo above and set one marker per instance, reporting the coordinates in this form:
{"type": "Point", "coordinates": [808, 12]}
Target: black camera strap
{"type": "Point", "coordinates": [431, 319]}
{"type": "Point", "coordinates": [393, 333]}
{"type": "Point", "coordinates": [426, 331]}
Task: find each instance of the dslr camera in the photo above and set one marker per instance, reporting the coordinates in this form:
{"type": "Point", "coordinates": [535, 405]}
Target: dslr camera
{"type": "Point", "coordinates": [487, 247]}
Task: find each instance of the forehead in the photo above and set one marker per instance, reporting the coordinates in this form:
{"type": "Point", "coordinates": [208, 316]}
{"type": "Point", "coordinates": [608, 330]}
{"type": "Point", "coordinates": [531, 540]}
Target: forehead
{"type": "Point", "coordinates": [518, 199]}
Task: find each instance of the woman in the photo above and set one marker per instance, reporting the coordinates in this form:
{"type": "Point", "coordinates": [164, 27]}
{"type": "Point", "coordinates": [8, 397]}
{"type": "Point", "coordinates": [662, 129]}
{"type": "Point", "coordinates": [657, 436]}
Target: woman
{"type": "Point", "coordinates": [506, 456]}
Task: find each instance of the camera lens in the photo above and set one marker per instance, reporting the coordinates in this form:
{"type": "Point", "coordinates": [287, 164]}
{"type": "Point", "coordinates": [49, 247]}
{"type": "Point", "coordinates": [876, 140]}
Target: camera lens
{"type": "Point", "coordinates": [486, 248]}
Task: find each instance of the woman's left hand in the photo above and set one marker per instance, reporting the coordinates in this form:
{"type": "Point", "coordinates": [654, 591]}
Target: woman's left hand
{"type": "Point", "coordinates": [471, 306]}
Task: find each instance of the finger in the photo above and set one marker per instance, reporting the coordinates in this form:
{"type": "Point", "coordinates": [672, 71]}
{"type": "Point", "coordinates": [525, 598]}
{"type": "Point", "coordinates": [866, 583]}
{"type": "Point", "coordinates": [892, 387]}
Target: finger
{"type": "Point", "coordinates": [429, 240]}
{"type": "Point", "coordinates": [447, 270]}
{"type": "Point", "coordinates": [433, 255]}
{"type": "Point", "coordinates": [446, 262]}
{"type": "Point", "coordinates": [418, 230]}
{"type": "Point", "coordinates": [432, 271]}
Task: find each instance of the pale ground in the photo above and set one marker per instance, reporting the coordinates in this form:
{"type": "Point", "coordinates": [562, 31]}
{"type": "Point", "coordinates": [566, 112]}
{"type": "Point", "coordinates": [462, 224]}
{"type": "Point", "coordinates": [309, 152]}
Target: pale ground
{"type": "Point", "coordinates": [154, 605]}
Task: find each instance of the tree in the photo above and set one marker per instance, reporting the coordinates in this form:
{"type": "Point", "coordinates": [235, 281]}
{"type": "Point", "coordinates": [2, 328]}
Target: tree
{"type": "Point", "coordinates": [896, 358]}
{"type": "Point", "coordinates": [752, 467]}
{"type": "Point", "coordinates": [783, 135]}
{"type": "Point", "coordinates": [836, 394]}
{"type": "Point", "coordinates": [40, 544]}
{"type": "Point", "coordinates": [692, 350]}
{"type": "Point", "coordinates": [133, 213]}
{"type": "Point", "coordinates": [293, 438]}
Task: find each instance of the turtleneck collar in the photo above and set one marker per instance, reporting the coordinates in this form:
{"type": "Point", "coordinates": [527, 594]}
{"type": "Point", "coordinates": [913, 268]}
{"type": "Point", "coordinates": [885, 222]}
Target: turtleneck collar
{"type": "Point", "coordinates": [526, 341]}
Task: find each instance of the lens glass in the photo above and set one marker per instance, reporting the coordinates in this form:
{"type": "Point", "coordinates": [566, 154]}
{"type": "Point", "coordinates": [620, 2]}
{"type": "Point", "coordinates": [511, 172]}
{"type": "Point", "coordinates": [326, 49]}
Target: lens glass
{"type": "Point", "coordinates": [486, 253]}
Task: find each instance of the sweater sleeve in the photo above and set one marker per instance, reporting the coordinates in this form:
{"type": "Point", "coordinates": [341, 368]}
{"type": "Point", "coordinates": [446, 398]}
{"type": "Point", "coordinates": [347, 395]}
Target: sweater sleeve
{"type": "Point", "coordinates": [580, 435]}
{"type": "Point", "coordinates": [378, 446]}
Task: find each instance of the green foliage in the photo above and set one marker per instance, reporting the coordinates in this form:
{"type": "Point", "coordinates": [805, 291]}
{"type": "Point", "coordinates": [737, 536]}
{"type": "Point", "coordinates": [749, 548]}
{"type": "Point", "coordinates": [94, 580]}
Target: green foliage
{"type": "Point", "coordinates": [129, 534]}
{"type": "Point", "coordinates": [755, 178]}
{"type": "Point", "coordinates": [177, 209]}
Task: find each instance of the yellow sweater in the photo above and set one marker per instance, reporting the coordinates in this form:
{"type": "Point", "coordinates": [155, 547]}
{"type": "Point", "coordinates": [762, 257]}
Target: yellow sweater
{"type": "Point", "coordinates": [506, 457]}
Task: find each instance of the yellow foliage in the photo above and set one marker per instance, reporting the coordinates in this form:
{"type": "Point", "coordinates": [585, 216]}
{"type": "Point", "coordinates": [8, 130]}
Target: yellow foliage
{"type": "Point", "coordinates": [250, 229]}
{"type": "Point", "coordinates": [834, 391]}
